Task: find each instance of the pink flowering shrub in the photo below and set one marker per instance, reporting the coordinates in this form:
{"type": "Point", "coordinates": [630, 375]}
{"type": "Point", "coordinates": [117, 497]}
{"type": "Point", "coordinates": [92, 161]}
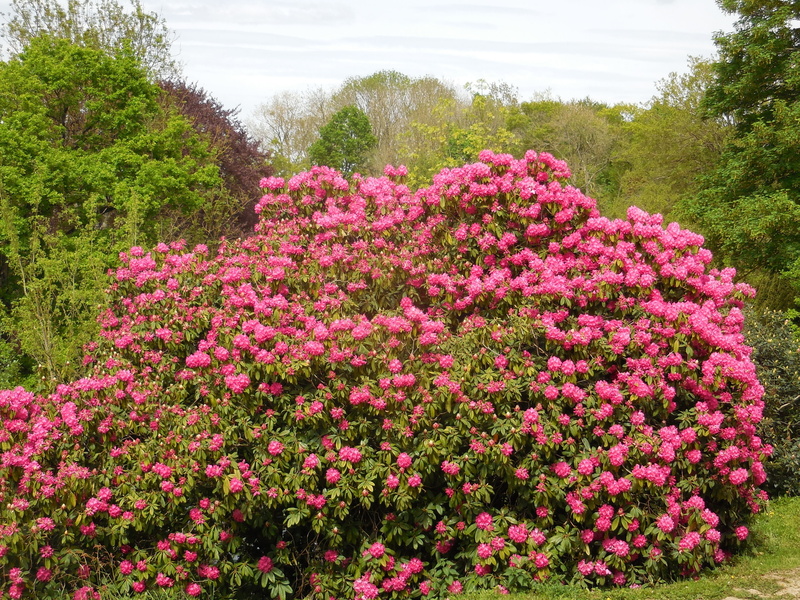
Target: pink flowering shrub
{"type": "Point", "coordinates": [387, 393]}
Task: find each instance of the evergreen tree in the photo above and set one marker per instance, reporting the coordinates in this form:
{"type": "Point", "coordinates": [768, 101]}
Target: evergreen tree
{"type": "Point", "coordinates": [344, 142]}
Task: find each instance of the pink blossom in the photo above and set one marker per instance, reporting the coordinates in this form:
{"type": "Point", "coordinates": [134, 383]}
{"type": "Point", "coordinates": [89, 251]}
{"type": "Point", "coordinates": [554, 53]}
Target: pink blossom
{"type": "Point", "coordinates": [455, 587]}
{"type": "Point", "coordinates": [237, 383]}
{"type": "Point", "coordinates": [348, 454]}
{"type": "Point", "coordinates": [585, 568]}
{"type": "Point", "coordinates": [689, 541]}
{"type": "Point", "coordinates": [264, 564]}
{"type": "Point", "coordinates": [484, 521]}
{"type": "Point", "coordinates": [739, 476]}
{"type": "Point", "coordinates": [561, 469]}
{"type": "Point", "coordinates": [484, 551]}
{"type": "Point", "coordinates": [518, 533]}
{"type": "Point", "coordinates": [450, 468]}
{"type": "Point", "coordinates": [665, 523]}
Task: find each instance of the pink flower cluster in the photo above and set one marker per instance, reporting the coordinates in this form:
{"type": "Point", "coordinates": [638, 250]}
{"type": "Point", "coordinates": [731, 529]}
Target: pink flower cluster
{"type": "Point", "coordinates": [478, 370]}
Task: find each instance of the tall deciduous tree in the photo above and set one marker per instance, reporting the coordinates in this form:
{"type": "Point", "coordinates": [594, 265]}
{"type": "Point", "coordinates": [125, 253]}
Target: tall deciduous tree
{"type": "Point", "coordinates": [398, 107]}
{"type": "Point", "coordinates": [104, 24]}
{"type": "Point", "coordinates": [672, 143]}
{"type": "Point", "coordinates": [288, 123]}
{"type": "Point", "coordinates": [242, 163]}
{"type": "Point", "coordinates": [750, 209]}
{"type": "Point", "coordinates": [345, 141]}
{"type": "Point", "coordinates": [587, 134]}
{"type": "Point", "coordinates": [392, 101]}
{"type": "Point", "coordinates": [456, 129]}
{"type": "Point", "coordinates": [90, 163]}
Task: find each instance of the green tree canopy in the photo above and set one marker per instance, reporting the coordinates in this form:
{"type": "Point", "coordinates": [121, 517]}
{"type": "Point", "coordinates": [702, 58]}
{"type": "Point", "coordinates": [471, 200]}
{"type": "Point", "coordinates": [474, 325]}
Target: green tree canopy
{"type": "Point", "coordinates": [90, 163]}
{"type": "Point", "coordinates": [672, 143]}
{"type": "Point", "coordinates": [82, 136]}
{"type": "Point", "coordinates": [344, 142]}
{"type": "Point", "coordinates": [750, 207]}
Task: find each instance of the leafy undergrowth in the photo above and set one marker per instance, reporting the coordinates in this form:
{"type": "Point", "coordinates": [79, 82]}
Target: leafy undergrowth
{"type": "Point", "coordinates": [771, 566]}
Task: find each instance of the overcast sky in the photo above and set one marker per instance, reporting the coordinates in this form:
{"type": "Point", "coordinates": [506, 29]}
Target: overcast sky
{"type": "Point", "coordinates": [243, 51]}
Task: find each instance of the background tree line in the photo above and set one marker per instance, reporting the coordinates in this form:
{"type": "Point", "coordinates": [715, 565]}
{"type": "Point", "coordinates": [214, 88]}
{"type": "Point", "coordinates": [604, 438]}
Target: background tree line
{"type": "Point", "coordinates": [650, 155]}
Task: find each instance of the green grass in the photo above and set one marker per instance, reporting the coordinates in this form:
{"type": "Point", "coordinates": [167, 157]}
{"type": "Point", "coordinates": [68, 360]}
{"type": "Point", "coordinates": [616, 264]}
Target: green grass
{"type": "Point", "coordinates": [776, 550]}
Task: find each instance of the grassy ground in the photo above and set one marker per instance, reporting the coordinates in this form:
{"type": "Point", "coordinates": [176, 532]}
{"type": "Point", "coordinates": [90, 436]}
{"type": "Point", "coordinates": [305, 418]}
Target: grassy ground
{"type": "Point", "coordinates": [773, 564]}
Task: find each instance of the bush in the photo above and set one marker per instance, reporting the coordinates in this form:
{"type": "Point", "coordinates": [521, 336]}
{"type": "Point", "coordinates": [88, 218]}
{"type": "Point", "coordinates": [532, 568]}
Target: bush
{"type": "Point", "coordinates": [776, 354]}
{"type": "Point", "coordinates": [482, 384]}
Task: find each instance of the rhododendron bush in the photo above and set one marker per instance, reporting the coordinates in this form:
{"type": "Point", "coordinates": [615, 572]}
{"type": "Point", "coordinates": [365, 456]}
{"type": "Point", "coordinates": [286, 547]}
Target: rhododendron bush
{"type": "Point", "coordinates": [386, 393]}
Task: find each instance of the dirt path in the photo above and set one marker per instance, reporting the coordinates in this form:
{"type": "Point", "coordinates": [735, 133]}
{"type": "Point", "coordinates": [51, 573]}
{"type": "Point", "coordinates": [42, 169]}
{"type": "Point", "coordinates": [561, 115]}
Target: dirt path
{"type": "Point", "coordinates": [788, 583]}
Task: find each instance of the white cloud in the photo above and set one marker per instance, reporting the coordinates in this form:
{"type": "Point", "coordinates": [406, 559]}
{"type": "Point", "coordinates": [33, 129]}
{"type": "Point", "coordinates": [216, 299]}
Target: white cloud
{"type": "Point", "coordinates": [242, 51]}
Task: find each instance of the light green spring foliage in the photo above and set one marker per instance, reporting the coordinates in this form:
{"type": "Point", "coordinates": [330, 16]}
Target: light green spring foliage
{"type": "Point", "coordinates": [460, 130]}
{"type": "Point", "coordinates": [427, 124]}
{"type": "Point", "coordinates": [107, 25]}
{"type": "Point", "coordinates": [91, 165]}
{"type": "Point", "coordinates": [588, 135]}
{"type": "Point", "coordinates": [401, 111]}
{"type": "Point", "coordinates": [671, 143]}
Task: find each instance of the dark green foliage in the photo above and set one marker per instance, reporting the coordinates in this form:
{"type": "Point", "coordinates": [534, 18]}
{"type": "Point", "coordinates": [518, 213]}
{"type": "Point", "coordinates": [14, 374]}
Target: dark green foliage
{"type": "Point", "coordinates": [749, 208]}
{"type": "Point", "coordinates": [757, 70]}
{"type": "Point", "coordinates": [12, 366]}
{"type": "Point", "coordinates": [344, 142]}
{"type": "Point", "coordinates": [776, 353]}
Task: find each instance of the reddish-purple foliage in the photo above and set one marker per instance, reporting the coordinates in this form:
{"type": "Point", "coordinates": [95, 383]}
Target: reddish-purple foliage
{"type": "Point", "coordinates": [480, 384]}
{"type": "Point", "coordinates": [241, 162]}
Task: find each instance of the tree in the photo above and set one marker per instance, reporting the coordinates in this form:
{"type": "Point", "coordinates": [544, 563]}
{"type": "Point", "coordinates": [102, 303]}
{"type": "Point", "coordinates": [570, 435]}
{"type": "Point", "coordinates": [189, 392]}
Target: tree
{"type": "Point", "coordinates": [392, 101]}
{"type": "Point", "coordinates": [288, 123]}
{"type": "Point", "coordinates": [242, 164]}
{"type": "Point", "coordinates": [749, 208]}
{"type": "Point", "coordinates": [345, 141]}
{"type": "Point", "coordinates": [587, 134]}
{"type": "Point", "coordinates": [672, 143]}
{"type": "Point", "coordinates": [104, 24]}
{"type": "Point", "coordinates": [456, 129]}
{"type": "Point", "coordinates": [396, 105]}
{"type": "Point", "coordinates": [91, 164]}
